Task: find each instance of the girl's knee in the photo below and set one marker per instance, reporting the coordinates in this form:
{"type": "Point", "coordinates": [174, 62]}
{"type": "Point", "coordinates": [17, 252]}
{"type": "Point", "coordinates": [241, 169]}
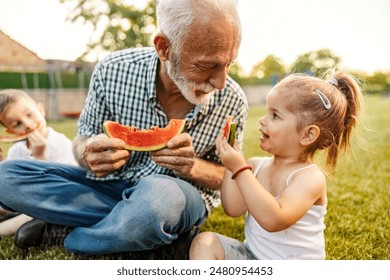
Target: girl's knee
{"type": "Point", "coordinates": [206, 246]}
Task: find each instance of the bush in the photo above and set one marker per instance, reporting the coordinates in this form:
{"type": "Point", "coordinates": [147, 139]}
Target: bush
{"type": "Point", "coordinates": [43, 80]}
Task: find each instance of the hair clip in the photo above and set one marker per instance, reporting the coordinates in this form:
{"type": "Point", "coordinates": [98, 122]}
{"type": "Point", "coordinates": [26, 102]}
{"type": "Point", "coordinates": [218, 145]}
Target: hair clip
{"type": "Point", "coordinates": [333, 81]}
{"type": "Point", "coordinates": [324, 99]}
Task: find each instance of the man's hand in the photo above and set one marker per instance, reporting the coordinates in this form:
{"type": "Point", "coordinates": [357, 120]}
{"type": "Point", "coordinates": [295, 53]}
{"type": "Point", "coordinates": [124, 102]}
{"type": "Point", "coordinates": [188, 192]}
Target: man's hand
{"type": "Point", "coordinates": [179, 156]}
{"type": "Point", "coordinates": [104, 155]}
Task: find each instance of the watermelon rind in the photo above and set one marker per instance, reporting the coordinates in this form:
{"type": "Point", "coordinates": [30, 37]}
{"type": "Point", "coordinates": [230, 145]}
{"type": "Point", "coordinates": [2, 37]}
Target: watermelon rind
{"type": "Point", "coordinates": [232, 133]}
{"type": "Point", "coordinates": [229, 130]}
{"type": "Point", "coordinates": [12, 138]}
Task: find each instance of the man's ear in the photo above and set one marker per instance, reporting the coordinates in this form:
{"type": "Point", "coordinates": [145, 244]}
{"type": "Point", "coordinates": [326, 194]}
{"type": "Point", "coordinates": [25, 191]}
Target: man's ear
{"type": "Point", "coordinates": [309, 135]}
{"type": "Point", "coordinates": [162, 46]}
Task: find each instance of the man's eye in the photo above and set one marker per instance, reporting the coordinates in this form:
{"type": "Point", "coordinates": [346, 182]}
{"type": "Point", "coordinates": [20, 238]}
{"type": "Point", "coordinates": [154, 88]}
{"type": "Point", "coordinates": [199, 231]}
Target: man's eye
{"type": "Point", "coordinates": [206, 67]}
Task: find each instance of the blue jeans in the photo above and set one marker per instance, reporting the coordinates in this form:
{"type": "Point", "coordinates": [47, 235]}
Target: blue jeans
{"type": "Point", "coordinates": [107, 216]}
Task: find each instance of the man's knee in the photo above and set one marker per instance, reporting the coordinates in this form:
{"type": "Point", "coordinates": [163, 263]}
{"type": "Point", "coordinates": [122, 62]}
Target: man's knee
{"type": "Point", "coordinates": [164, 197]}
{"type": "Point", "coordinates": [6, 166]}
{"type": "Point", "coordinates": [7, 172]}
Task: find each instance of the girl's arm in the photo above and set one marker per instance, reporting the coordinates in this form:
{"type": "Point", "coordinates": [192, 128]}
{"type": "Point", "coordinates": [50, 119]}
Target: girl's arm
{"type": "Point", "coordinates": [274, 214]}
{"type": "Point", "coordinates": [232, 201]}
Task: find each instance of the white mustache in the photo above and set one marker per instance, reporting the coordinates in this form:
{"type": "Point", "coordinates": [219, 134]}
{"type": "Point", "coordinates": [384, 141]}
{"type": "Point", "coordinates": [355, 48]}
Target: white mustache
{"type": "Point", "coordinates": [205, 87]}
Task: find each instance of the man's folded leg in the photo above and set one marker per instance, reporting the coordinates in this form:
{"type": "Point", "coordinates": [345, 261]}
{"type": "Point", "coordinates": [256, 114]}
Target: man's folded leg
{"type": "Point", "coordinates": [152, 213]}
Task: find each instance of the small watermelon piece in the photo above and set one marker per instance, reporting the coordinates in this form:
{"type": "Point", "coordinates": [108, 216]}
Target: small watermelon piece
{"type": "Point", "coordinates": [11, 138]}
{"type": "Point", "coordinates": [144, 140]}
{"type": "Point", "coordinates": [229, 130]}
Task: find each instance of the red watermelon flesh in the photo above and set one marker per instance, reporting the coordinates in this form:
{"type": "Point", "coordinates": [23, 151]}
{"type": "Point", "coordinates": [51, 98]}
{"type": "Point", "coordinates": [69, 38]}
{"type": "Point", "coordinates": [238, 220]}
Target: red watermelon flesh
{"type": "Point", "coordinates": [11, 137]}
{"type": "Point", "coordinates": [137, 139]}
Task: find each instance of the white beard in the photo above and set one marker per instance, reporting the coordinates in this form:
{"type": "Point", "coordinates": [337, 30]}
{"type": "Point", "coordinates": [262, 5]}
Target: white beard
{"type": "Point", "coordinates": [188, 88]}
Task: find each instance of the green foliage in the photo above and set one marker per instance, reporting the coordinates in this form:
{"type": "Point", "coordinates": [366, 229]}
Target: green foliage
{"type": "Point", "coordinates": [42, 80]}
{"type": "Point", "coordinates": [358, 218]}
{"type": "Point", "coordinates": [316, 62]}
{"type": "Point", "coordinates": [118, 25]}
{"type": "Point", "coordinates": [379, 82]}
{"type": "Point", "coordinates": [124, 25]}
{"type": "Point", "coordinates": [270, 66]}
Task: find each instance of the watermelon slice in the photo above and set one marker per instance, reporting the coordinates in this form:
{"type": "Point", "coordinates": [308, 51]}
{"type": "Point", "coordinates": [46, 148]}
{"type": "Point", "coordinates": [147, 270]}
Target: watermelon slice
{"type": "Point", "coordinates": [11, 138]}
{"type": "Point", "coordinates": [229, 131]}
{"type": "Point", "coordinates": [143, 140]}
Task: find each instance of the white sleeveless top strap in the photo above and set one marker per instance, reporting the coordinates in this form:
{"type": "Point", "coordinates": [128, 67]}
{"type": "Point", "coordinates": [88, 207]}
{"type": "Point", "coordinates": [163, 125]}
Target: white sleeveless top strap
{"type": "Point", "coordinates": [260, 165]}
{"type": "Point", "coordinates": [290, 177]}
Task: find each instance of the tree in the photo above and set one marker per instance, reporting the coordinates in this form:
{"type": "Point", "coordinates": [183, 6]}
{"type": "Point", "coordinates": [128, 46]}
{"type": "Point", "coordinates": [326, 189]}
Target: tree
{"type": "Point", "coordinates": [236, 72]}
{"type": "Point", "coordinates": [269, 66]}
{"type": "Point", "coordinates": [316, 62]}
{"type": "Point", "coordinates": [116, 25]}
{"type": "Point", "coordinates": [378, 82]}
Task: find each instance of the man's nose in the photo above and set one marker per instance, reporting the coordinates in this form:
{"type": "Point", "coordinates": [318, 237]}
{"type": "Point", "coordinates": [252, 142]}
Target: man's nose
{"type": "Point", "coordinates": [218, 78]}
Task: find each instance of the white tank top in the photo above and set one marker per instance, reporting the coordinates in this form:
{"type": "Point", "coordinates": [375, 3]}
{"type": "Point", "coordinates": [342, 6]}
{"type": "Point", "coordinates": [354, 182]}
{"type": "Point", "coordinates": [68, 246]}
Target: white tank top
{"type": "Point", "coordinates": [303, 240]}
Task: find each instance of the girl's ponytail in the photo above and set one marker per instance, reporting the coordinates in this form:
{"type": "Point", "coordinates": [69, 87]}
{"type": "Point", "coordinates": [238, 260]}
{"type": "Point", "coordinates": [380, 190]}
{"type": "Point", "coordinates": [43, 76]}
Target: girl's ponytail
{"type": "Point", "coordinates": [349, 87]}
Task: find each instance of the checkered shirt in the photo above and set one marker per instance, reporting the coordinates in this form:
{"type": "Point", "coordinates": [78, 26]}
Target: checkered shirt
{"type": "Point", "coordinates": [123, 89]}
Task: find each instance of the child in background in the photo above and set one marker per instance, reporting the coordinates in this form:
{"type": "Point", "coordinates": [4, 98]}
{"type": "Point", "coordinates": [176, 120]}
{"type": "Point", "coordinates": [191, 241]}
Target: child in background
{"type": "Point", "coordinates": [20, 115]}
{"type": "Point", "coordinates": [285, 197]}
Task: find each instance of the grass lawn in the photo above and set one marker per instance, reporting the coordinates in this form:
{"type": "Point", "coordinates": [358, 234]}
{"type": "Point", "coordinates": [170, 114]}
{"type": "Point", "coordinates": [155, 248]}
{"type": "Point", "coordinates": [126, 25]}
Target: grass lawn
{"type": "Point", "coordinates": [358, 220]}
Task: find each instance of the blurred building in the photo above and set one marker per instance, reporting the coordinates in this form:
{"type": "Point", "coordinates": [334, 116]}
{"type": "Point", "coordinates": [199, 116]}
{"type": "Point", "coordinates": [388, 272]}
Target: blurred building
{"type": "Point", "coordinates": [15, 57]}
{"type": "Point", "coordinates": [61, 85]}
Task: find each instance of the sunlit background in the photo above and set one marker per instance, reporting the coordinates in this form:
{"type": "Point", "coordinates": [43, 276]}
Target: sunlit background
{"type": "Point", "coordinates": [357, 31]}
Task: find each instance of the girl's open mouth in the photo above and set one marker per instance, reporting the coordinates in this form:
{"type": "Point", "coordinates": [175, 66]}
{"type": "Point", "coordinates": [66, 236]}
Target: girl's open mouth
{"type": "Point", "coordinates": [263, 135]}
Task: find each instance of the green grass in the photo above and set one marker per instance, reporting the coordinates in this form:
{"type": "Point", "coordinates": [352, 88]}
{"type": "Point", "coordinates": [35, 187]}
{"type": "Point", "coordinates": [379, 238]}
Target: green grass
{"type": "Point", "coordinates": [358, 220]}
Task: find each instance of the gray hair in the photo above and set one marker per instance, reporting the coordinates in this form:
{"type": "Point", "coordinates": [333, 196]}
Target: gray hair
{"type": "Point", "coordinates": [174, 18]}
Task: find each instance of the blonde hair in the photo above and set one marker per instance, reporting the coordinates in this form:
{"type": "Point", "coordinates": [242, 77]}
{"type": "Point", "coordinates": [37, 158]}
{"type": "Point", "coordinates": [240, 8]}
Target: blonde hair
{"type": "Point", "coordinates": [337, 122]}
{"type": "Point", "coordinates": [9, 96]}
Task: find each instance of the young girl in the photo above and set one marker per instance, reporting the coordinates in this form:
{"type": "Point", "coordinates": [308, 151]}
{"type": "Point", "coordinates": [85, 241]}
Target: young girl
{"type": "Point", "coordinates": [285, 196]}
{"type": "Point", "coordinates": [20, 114]}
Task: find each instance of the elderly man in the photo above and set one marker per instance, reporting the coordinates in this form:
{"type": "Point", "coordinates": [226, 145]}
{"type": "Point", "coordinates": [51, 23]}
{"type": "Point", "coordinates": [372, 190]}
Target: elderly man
{"type": "Point", "coordinates": [125, 201]}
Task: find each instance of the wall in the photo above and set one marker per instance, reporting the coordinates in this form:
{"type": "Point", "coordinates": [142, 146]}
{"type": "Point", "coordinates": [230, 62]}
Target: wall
{"type": "Point", "coordinates": [256, 94]}
{"type": "Point", "coordinates": [61, 102]}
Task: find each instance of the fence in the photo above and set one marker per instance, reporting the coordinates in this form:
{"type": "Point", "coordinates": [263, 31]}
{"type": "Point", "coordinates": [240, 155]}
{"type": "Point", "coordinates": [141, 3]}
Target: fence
{"type": "Point", "coordinates": [60, 85]}
{"type": "Point", "coordinates": [62, 88]}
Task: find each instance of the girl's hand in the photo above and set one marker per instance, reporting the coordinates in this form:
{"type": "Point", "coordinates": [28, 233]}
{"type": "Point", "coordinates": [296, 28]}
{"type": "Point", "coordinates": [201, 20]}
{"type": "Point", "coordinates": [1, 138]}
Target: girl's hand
{"type": "Point", "coordinates": [232, 157]}
{"type": "Point", "coordinates": [37, 144]}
